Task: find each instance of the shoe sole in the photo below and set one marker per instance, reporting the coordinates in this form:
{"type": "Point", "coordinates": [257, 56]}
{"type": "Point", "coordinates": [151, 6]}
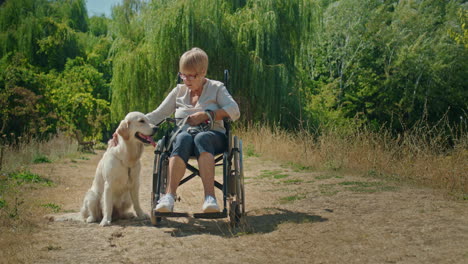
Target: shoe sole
{"type": "Point", "coordinates": [163, 210]}
{"type": "Point", "coordinates": [211, 210]}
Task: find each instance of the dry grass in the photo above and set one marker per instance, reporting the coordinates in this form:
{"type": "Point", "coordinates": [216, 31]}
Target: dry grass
{"type": "Point", "coordinates": [16, 156]}
{"type": "Point", "coordinates": [20, 217]}
{"type": "Point", "coordinates": [423, 155]}
{"type": "Point", "coordinates": [20, 208]}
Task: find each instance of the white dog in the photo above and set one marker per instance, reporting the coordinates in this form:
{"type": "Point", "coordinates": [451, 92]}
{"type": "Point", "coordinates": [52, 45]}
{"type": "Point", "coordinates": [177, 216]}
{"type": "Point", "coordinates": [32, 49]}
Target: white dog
{"type": "Point", "coordinates": [116, 183]}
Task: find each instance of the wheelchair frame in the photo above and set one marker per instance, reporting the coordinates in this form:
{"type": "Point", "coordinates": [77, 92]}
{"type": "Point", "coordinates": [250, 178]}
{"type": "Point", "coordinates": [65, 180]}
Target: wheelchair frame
{"type": "Point", "coordinates": [233, 176]}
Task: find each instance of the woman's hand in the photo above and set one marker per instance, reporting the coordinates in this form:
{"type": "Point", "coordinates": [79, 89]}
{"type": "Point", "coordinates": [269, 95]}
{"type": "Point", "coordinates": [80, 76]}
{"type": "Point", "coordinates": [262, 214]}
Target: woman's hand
{"type": "Point", "coordinates": [114, 141]}
{"type": "Point", "coordinates": [197, 118]}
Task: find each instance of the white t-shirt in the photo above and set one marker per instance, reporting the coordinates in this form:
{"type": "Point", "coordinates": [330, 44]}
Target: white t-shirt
{"type": "Point", "coordinates": [213, 97]}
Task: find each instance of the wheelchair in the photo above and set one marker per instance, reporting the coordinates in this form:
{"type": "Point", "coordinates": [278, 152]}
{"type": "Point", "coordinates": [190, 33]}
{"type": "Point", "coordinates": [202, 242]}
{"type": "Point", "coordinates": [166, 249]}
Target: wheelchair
{"type": "Point", "coordinates": [232, 186]}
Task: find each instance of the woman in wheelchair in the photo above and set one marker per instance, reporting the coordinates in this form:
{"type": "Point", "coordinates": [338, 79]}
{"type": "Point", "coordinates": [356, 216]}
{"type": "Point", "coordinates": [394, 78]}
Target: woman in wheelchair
{"type": "Point", "coordinates": [196, 102]}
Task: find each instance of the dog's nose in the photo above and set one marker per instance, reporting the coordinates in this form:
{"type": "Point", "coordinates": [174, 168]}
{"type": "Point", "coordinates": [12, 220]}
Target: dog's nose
{"type": "Point", "coordinates": [155, 129]}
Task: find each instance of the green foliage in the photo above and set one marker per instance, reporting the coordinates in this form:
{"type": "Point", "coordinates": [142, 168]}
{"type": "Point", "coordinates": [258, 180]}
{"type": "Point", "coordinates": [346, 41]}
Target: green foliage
{"type": "Point", "coordinates": [253, 39]}
{"type": "Point", "coordinates": [37, 38]}
{"type": "Point", "coordinates": [54, 207]}
{"type": "Point", "coordinates": [324, 62]}
{"type": "Point", "coordinates": [296, 167]}
{"type": "Point", "coordinates": [22, 177]}
{"type": "Point", "coordinates": [389, 63]}
{"type": "Point", "coordinates": [249, 151]}
{"type": "Point", "coordinates": [292, 198]}
{"type": "Point", "coordinates": [276, 174]}
{"type": "Point", "coordinates": [41, 159]}
{"type": "Point", "coordinates": [23, 106]}
{"type": "Point", "coordinates": [44, 31]}
{"type": "Point", "coordinates": [59, 44]}
{"type": "Point", "coordinates": [74, 100]}
{"type": "Point", "coordinates": [98, 25]}
{"type": "Point", "coordinates": [293, 181]}
{"type": "Point", "coordinates": [367, 187]}
{"type": "Point", "coordinates": [460, 33]}
{"type": "Point", "coordinates": [297, 63]}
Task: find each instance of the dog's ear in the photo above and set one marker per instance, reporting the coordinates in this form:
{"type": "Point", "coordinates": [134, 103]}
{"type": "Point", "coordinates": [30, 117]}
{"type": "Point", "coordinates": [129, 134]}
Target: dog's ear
{"type": "Point", "coordinates": [123, 129]}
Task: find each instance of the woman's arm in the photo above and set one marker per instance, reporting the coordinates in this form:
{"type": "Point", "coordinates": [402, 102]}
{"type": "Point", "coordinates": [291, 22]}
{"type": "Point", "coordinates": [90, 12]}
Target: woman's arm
{"type": "Point", "coordinates": [228, 106]}
{"type": "Point", "coordinates": [165, 109]}
{"type": "Point", "coordinates": [199, 117]}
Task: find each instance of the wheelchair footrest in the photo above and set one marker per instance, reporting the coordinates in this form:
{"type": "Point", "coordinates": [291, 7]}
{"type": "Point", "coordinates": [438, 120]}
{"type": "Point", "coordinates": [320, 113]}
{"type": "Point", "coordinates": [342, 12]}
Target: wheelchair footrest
{"type": "Point", "coordinates": [211, 215]}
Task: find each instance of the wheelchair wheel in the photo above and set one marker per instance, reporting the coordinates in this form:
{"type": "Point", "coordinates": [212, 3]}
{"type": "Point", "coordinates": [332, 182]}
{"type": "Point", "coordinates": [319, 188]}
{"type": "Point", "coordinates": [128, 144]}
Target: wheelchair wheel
{"type": "Point", "coordinates": [237, 206]}
{"type": "Point", "coordinates": [161, 163]}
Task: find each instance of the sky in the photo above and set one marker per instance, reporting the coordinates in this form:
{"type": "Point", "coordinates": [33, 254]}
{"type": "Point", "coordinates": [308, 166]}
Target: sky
{"type": "Point", "coordinates": [98, 7]}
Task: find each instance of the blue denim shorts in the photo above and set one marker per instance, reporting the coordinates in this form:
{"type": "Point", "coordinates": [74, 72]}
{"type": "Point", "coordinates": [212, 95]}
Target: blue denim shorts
{"type": "Point", "coordinates": [186, 145]}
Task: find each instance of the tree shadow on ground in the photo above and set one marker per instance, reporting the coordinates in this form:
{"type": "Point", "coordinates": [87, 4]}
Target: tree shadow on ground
{"type": "Point", "coordinates": [256, 222]}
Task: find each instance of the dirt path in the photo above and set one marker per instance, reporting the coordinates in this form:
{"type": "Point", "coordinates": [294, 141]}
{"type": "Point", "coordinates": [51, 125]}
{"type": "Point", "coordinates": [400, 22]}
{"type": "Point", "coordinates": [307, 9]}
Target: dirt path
{"type": "Point", "coordinates": [293, 217]}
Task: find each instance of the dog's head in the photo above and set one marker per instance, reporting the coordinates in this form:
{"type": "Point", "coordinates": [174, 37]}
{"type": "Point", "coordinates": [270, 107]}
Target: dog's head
{"type": "Point", "coordinates": [136, 126]}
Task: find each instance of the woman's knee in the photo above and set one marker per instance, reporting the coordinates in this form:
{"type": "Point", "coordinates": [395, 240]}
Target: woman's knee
{"type": "Point", "coordinates": [184, 138]}
{"type": "Point", "coordinates": [202, 138]}
{"type": "Point", "coordinates": [183, 146]}
{"type": "Point", "coordinates": [210, 142]}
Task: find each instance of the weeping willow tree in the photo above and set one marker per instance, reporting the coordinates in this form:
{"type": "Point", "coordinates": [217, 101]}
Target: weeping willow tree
{"type": "Point", "coordinates": [389, 63]}
{"type": "Point", "coordinates": [43, 31]}
{"type": "Point", "coordinates": [260, 42]}
{"type": "Point", "coordinates": [50, 67]}
{"type": "Point", "coordinates": [271, 42]}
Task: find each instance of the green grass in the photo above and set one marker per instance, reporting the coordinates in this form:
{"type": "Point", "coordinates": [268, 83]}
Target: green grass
{"type": "Point", "coordinates": [249, 151]}
{"type": "Point", "coordinates": [361, 184]}
{"type": "Point", "coordinates": [280, 176]}
{"type": "Point", "coordinates": [379, 175]}
{"type": "Point", "coordinates": [22, 177]}
{"type": "Point", "coordinates": [2, 203]}
{"type": "Point", "coordinates": [290, 199]}
{"type": "Point", "coordinates": [55, 208]}
{"type": "Point", "coordinates": [367, 187]}
{"type": "Point", "coordinates": [297, 167]}
{"type": "Point", "coordinates": [329, 176]}
{"type": "Point", "coordinates": [356, 186]}
{"type": "Point", "coordinates": [276, 174]}
{"type": "Point", "coordinates": [41, 159]}
{"type": "Point", "coordinates": [293, 181]}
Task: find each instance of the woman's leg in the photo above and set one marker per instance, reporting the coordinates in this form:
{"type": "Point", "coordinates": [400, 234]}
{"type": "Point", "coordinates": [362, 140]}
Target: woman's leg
{"type": "Point", "coordinates": [181, 150]}
{"type": "Point", "coordinates": [175, 173]}
{"type": "Point", "coordinates": [207, 172]}
{"type": "Point", "coordinates": [207, 144]}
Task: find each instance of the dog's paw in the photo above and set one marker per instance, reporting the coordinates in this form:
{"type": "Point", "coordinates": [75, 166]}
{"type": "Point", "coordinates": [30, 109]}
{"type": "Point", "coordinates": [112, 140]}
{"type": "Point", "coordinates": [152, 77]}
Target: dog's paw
{"type": "Point", "coordinates": [142, 216]}
{"type": "Point", "coordinates": [90, 219]}
{"type": "Point", "coordinates": [105, 222]}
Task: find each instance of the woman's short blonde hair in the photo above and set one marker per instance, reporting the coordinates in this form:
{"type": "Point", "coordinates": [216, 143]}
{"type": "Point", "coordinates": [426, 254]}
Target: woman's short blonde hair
{"type": "Point", "coordinates": [194, 60]}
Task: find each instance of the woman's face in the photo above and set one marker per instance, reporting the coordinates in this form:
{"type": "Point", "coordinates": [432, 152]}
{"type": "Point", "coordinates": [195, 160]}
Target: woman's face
{"type": "Point", "coordinates": [193, 80]}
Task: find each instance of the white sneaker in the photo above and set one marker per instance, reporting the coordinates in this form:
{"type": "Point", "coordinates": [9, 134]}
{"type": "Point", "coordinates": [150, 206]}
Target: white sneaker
{"type": "Point", "coordinates": [210, 205]}
{"type": "Point", "coordinates": [165, 204]}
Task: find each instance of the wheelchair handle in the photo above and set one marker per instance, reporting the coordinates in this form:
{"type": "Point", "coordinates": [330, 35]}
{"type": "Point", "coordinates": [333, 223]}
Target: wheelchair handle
{"type": "Point", "coordinates": [226, 79]}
